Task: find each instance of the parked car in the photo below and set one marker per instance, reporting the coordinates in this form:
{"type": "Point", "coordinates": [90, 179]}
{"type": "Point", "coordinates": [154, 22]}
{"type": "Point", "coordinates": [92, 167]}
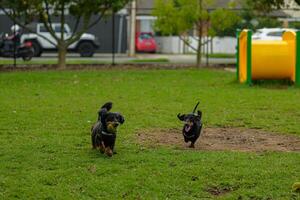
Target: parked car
{"type": "Point", "coordinates": [269, 33]}
{"type": "Point", "coordinates": [85, 46]}
{"type": "Point", "coordinates": [145, 42]}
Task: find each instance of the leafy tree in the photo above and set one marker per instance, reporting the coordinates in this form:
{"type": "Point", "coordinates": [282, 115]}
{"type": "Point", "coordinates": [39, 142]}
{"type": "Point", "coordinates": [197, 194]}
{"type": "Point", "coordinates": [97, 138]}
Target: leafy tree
{"type": "Point", "coordinates": [224, 22]}
{"type": "Point", "coordinates": [180, 16]}
{"type": "Point", "coordinates": [268, 22]}
{"type": "Point", "coordinates": [264, 6]}
{"type": "Point", "coordinates": [295, 25]}
{"type": "Point", "coordinates": [25, 11]}
{"type": "Point", "coordinates": [255, 13]}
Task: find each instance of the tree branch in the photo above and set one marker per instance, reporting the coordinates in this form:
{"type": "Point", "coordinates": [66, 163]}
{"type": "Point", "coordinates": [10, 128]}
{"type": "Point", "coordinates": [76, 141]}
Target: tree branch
{"type": "Point", "coordinates": [197, 39]}
{"type": "Point", "coordinates": [76, 25]}
{"type": "Point", "coordinates": [202, 43]}
{"type": "Point", "coordinates": [97, 20]}
{"type": "Point", "coordinates": [86, 26]}
{"type": "Point", "coordinates": [47, 9]}
{"type": "Point", "coordinates": [77, 35]}
{"type": "Point", "coordinates": [187, 43]}
{"type": "Point", "coordinates": [62, 22]}
{"type": "Point", "coordinates": [49, 28]}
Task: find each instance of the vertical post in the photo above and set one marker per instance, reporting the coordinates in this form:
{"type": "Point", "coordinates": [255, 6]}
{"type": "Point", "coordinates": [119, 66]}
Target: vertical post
{"type": "Point", "coordinates": [207, 48]}
{"type": "Point", "coordinates": [238, 32]}
{"type": "Point", "coordinates": [113, 38]}
{"type": "Point", "coordinates": [249, 57]}
{"type": "Point", "coordinates": [297, 67]}
{"type": "Point", "coordinates": [132, 29]}
{"type": "Point", "coordinates": [14, 40]}
{"type": "Point", "coordinates": [15, 47]}
{"type": "Point", "coordinates": [120, 34]}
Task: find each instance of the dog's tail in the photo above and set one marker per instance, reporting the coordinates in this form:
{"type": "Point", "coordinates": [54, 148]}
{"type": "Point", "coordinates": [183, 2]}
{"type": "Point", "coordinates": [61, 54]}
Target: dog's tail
{"type": "Point", "coordinates": [107, 105]}
{"type": "Point", "coordinates": [196, 107]}
{"type": "Point", "coordinates": [104, 109]}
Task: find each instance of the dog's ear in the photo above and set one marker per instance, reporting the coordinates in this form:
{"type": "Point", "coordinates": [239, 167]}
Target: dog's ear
{"type": "Point", "coordinates": [121, 119]}
{"type": "Point", "coordinates": [199, 114]}
{"type": "Point", "coordinates": [180, 117]}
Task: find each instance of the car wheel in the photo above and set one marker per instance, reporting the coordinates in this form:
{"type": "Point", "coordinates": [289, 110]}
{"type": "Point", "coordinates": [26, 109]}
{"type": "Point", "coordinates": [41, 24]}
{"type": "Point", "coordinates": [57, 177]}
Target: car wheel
{"type": "Point", "coordinates": [86, 49]}
{"type": "Point", "coordinates": [36, 49]}
{"type": "Point", "coordinates": [28, 56]}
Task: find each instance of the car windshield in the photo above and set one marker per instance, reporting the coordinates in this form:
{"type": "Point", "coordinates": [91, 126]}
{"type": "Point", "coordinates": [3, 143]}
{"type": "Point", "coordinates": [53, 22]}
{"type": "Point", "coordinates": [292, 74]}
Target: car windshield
{"type": "Point", "coordinates": [146, 36]}
{"type": "Point", "coordinates": [57, 29]}
{"type": "Point", "coordinates": [257, 33]}
{"type": "Point", "coordinates": [43, 28]}
{"type": "Point", "coordinates": [276, 33]}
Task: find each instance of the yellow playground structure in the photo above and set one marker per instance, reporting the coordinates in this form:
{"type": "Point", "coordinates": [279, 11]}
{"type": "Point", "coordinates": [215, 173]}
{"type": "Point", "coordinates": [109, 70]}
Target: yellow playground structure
{"type": "Point", "coordinates": [261, 59]}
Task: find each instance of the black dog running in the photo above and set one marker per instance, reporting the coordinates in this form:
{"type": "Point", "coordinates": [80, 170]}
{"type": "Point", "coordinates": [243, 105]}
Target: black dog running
{"type": "Point", "coordinates": [192, 126]}
{"type": "Point", "coordinates": [104, 132]}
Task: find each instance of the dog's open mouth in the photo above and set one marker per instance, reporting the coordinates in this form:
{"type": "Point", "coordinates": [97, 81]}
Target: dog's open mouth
{"type": "Point", "coordinates": [188, 126]}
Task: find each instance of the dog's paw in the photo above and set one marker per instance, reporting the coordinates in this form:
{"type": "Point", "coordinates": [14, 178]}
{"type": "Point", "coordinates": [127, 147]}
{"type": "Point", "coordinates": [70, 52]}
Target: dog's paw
{"type": "Point", "coordinates": [108, 152]}
{"type": "Point", "coordinates": [102, 148]}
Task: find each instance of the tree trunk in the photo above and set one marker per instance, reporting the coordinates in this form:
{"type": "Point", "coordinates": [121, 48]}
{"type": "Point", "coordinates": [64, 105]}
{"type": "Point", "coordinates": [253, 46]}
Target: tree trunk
{"type": "Point", "coordinates": [199, 52]}
{"type": "Point", "coordinates": [62, 52]}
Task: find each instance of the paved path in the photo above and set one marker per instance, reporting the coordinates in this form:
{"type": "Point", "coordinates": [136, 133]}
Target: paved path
{"type": "Point", "coordinates": [121, 58]}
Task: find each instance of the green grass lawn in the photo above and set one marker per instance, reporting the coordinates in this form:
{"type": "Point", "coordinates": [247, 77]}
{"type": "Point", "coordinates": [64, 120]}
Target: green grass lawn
{"type": "Point", "coordinates": [218, 55]}
{"type": "Point", "coordinates": [222, 55]}
{"type": "Point", "coordinates": [150, 60]}
{"type": "Point", "coordinates": [45, 150]}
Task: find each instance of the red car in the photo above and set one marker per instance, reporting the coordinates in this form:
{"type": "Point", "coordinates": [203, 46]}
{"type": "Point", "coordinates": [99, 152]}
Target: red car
{"type": "Point", "coordinates": [145, 42]}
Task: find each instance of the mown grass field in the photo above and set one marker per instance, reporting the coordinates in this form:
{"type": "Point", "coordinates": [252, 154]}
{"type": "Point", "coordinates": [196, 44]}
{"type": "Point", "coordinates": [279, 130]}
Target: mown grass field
{"type": "Point", "coordinates": [45, 150]}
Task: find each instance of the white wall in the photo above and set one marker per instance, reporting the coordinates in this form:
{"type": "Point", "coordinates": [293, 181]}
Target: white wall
{"type": "Point", "coordinates": [169, 44]}
{"type": "Point", "coordinates": [174, 45]}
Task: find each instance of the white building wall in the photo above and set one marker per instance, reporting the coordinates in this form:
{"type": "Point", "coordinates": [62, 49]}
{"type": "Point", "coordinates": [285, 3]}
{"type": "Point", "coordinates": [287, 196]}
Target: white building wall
{"type": "Point", "coordinates": [174, 45]}
{"type": "Point", "coordinates": [170, 44]}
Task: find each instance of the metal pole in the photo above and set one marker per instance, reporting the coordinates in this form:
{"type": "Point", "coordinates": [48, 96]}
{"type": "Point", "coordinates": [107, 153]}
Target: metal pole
{"type": "Point", "coordinates": [297, 67]}
{"type": "Point", "coordinates": [238, 32]}
{"type": "Point", "coordinates": [120, 34]}
{"type": "Point", "coordinates": [15, 45]}
{"type": "Point", "coordinates": [249, 57]}
{"type": "Point", "coordinates": [132, 29]}
{"type": "Point", "coordinates": [207, 40]}
{"type": "Point", "coordinates": [113, 38]}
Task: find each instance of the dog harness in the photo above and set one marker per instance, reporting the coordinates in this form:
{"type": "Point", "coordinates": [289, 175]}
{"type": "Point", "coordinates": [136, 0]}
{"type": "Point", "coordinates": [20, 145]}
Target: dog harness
{"type": "Point", "coordinates": [108, 134]}
{"type": "Point", "coordinates": [188, 136]}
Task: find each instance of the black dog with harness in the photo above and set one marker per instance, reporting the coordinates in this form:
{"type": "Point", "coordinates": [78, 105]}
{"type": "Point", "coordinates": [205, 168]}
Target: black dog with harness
{"type": "Point", "coordinates": [104, 132]}
{"type": "Point", "coordinates": [192, 126]}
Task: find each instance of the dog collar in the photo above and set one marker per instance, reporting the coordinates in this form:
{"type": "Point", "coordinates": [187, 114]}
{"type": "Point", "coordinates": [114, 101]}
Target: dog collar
{"type": "Point", "coordinates": [105, 133]}
{"type": "Point", "coordinates": [188, 136]}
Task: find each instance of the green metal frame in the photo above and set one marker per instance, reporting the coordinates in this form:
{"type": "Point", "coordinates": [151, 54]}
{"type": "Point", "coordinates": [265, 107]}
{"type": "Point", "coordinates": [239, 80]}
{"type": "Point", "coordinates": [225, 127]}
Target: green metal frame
{"type": "Point", "coordinates": [249, 57]}
{"type": "Point", "coordinates": [238, 32]}
{"type": "Point", "coordinates": [297, 67]}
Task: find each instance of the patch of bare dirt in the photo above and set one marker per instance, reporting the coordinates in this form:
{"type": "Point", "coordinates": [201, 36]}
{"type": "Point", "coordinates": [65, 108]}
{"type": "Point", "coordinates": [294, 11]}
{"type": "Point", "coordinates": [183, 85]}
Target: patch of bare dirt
{"type": "Point", "coordinates": [121, 66]}
{"type": "Point", "coordinates": [216, 191]}
{"type": "Point", "coordinates": [46, 67]}
{"type": "Point", "coordinates": [220, 139]}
